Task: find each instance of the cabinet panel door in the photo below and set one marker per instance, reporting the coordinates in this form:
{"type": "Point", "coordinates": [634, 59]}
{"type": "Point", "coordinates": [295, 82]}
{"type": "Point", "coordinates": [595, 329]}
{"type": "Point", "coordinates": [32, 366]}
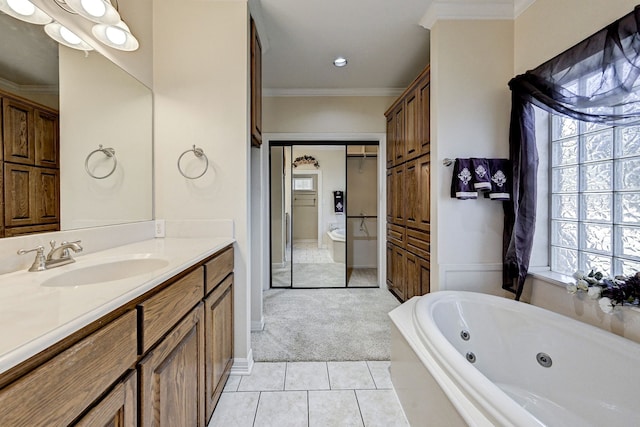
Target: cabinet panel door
{"type": "Point", "coordinates": [18, 132]}
{"type": "Point", "coordinates": [172, 376]}
{"type": "Point", "coordinates": [425, 276]}
{"type": "Point", "coordinates": [19, 195]}
{"type": "Point", "coordinates": [218, 341]}
{"type": "Point", "coordinates": [46, 139]}
{"type": "Point", "coordinates": [48, 195]}
{"type": "Point", "coordinates": [417, 192]}
{"type": "Point", "coordinates": [119, 408]}
{"type": "Point", "coordinates": [424, 114]}
{"type": "Point", "coordinates": [399, 282]}
{"type": "Point", "coordinates": [399, 135]}
{"type": "Point", "coordinates": [423, 205]}
{"type": "Point", "coordinates": [412, 143]}
{"type": "Point", "coordinates": [256, 87]}
{"type": "Point", "coordinates": [391, 139]}
{"type": "Point", "coordinates": [389, 265]}
{"type": "Point", "coordinates": [412, 275]}
{"type": "Point", "coordinates": [397, 195]}
{"type": "Point", "coordinates": [390, 191]}
{"type": "Point", "coordinates": [411, 192]}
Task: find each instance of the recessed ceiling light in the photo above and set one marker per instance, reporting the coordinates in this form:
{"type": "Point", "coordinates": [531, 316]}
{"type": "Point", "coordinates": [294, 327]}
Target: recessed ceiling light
{"type": "Point", "coordinates": [340, 62]}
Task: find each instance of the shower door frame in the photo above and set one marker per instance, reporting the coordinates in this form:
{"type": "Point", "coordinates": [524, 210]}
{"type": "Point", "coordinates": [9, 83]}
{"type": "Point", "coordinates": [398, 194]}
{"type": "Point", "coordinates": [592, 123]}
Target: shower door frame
{"type": "Point", "coordinates": [277, 142]}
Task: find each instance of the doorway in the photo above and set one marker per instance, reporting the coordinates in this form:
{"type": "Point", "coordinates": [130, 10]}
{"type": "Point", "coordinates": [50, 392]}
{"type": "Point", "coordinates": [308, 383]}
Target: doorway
{"type": "Point", "coordinates": [323, 209]}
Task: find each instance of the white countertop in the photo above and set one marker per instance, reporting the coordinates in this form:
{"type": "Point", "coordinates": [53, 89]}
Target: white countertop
{"type": "Point", "coordinates": [33, 317]}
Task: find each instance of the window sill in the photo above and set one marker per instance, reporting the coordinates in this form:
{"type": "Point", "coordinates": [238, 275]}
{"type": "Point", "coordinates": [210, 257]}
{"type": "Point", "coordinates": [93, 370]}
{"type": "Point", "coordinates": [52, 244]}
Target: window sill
{"type": "Point", "coordinates": [546, 275]}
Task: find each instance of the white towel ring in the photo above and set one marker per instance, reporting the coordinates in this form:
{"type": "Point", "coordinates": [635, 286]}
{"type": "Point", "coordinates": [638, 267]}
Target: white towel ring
{"type": "Point", "coordinates": [110, 153]}
{"type": "Point", "coordinates": [199, 153]}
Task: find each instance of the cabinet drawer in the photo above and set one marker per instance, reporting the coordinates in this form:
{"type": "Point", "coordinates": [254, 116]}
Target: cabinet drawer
{"type": "Point", "coordinates": [396, 234]}
{"type": "Point", "coordinates": [161, 312]}
{"type": "Point", "coordinates": [419, 243]}
{"type": "Point", "coordinates": [217, 269]}
{"type": "Point", "coordinates": [61, 389]}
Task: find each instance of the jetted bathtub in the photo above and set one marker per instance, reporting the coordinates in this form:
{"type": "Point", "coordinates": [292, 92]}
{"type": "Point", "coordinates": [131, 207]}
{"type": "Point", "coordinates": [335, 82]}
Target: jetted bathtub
{"type": "Point", "coordinates": [463, 358]}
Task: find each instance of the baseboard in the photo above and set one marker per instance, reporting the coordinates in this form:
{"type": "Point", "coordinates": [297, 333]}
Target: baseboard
{"type": "Point", "coordinates": [257, 325]}
{"type": "Point", "coordinates": [243, 366]}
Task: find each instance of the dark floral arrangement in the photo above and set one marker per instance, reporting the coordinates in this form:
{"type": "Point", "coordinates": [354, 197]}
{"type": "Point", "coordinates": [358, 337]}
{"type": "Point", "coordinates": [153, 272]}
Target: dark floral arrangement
{"type": "Point", "coordinates": [610, 292]}
{"type": "Point", "coordinates": [306, 160]}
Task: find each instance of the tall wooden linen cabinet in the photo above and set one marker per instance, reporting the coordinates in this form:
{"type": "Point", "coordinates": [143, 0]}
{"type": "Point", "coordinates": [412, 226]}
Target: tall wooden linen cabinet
{"type": "Point", "coordinates": [29, 176]}
{"type": "Point", "coordinates": [408, 191]}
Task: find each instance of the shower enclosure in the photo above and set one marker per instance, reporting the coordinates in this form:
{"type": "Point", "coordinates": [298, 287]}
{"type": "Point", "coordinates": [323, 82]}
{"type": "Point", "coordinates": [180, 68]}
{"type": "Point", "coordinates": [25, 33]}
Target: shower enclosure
{"type": "Point", "coordinates": [323, 215]}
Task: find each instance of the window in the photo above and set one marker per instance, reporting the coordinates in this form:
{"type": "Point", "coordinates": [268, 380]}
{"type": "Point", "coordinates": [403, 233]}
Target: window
{"type": "Point", "coordinates": [595, 197]}
{"type": "Point", "coordinates": [305, 183]}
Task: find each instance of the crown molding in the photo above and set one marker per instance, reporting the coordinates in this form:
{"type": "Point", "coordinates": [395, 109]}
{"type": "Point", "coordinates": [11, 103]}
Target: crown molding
{"type": "Point", "coordinates": [442, 10]}
{"type": "Point", "coordinates": [45, 89]}
{"type": "Point", "coordinates": [393, 92]}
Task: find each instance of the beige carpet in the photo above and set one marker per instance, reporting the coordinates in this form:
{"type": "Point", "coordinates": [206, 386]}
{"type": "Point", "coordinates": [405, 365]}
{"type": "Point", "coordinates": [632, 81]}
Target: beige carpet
{"type": "Point", "coordinates": [325, 325]}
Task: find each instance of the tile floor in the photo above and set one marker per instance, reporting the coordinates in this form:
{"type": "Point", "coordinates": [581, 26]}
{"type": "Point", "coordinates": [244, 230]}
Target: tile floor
{"type": "Point", "coordinates": [313, 394]}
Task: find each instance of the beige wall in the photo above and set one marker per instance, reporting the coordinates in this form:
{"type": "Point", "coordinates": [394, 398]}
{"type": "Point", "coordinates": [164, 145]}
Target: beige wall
{"type": "Point", "coordinates": [471, 63]}
{"type": "Point", "coordinates": [542, 32]}
{"type": "Point", "coordinates": [200, 66]}
{"type": "Point", "coordinates": [548, 27]}
{"type": "Point", "coordinates": [317, 114]}
{"type": "Point", "coordinates": [101, 104]}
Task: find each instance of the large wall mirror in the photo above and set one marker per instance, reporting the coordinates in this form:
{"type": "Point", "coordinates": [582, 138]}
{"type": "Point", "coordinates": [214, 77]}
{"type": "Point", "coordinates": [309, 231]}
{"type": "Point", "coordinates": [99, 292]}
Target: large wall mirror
{"type": "Point", "coordinates": [99, 104]}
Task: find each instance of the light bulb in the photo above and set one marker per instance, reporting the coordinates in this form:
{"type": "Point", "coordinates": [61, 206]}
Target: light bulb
{"type": "Point", "coordinates": [22, 7]}
{"type": "Point", "coordinates": [340, 61]}
{"type": "Point", "coordinates": [116, 35]}
{"type": "Point", "coordinates": [95, 8]}
{"type": "Point", "coordinates": [68, 36]}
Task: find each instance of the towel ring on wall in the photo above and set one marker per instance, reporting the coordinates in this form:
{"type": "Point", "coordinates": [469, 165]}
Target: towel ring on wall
{"type": "Point", "coordinates": [110, 153]}
{"type": "Point", "coordinates": [199, 153]}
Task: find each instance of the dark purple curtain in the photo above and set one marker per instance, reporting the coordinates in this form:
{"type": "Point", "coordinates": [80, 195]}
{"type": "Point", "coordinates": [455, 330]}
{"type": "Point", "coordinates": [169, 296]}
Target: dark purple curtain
{"type": "Point", "coordinates": [608, 66]}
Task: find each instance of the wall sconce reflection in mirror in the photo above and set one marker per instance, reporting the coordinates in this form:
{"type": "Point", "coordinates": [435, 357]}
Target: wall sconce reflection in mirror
{"type": "Point", "coordinates": [109, 27]}
{"type": "Point", "coordinates": [110, 153]}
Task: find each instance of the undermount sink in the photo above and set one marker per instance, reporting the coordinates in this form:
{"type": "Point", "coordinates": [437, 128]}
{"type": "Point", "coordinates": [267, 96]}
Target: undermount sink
{"type": "Point", "coordinates": [106, 272]}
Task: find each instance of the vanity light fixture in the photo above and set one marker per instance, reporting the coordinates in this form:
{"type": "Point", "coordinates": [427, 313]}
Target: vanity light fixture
{"type": "Point", "coordinates": [24, 10]}
{"type": "Point", "coordinates": [64, 36]}
{"type": "Point", "coordinates": [117, 36]}
{"type": "Point", "coordinates": [340, 62]}
{"type": "Point", "coordinates": [99, 11]}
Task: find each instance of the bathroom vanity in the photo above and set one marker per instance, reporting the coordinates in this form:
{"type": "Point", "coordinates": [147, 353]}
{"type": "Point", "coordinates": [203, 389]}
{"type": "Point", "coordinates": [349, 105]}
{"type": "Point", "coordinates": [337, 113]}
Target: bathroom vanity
{"type": "Point", "coordinates": [151, 345]}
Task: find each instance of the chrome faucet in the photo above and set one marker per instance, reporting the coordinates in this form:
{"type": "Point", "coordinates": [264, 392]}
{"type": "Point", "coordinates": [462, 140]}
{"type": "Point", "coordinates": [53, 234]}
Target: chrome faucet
{"type": "Point", "coordinates": [55, 258]}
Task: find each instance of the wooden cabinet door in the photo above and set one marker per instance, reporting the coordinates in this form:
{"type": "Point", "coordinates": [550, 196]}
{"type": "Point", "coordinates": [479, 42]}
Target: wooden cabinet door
{"type": "Point", "coordinates": [398, 271]}
{"type": "Point", "coordinates": [391, 140]}
{"type": "Point", "coordinates": [417, 275]}
{"type": "Point", "coordinates": [397, 195]}
{"type": "Point", "coordinates": [172, 376]}
{"type": "Point", "coordinates": [417, 190]}
{"type": "Point", "coordinates": [46, 139]}
{"type": "Point", "coordinates": [390, 191]}
{"type": "Point", "coordinates": [20, 195]}
{"type": "Point", "coordinates": [119, 408]}
{"type": "Point", "coordinates": [18, 132]}
{"type": "Point", "coordinates": [423, 203]}
{"type": "Point", "coordinates": [218, 341]}
{"type": "Point", "coordinates": [389, 265]}
{"type": "Point", "coordinates": [424, 267]}
{"type": "Point", "coordinates": [424, 115]}
{"type": "Point", "coordinates": [256, 87]}
{"type": "Point", "coordinates": [47, 195]}
{"type": "Point", "coordinates": [411, 134]}
{"type": "Point", "coordinates": [399, 136]}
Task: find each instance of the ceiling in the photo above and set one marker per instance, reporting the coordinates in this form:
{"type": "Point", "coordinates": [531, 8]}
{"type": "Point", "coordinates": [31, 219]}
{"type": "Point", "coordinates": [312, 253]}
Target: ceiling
{"type": "Point", "coordinates": [28, 57]}
{"type": "Point", "coordinates": [382, 40]}
{"type": "Point", "coordinates": [385, 42]}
